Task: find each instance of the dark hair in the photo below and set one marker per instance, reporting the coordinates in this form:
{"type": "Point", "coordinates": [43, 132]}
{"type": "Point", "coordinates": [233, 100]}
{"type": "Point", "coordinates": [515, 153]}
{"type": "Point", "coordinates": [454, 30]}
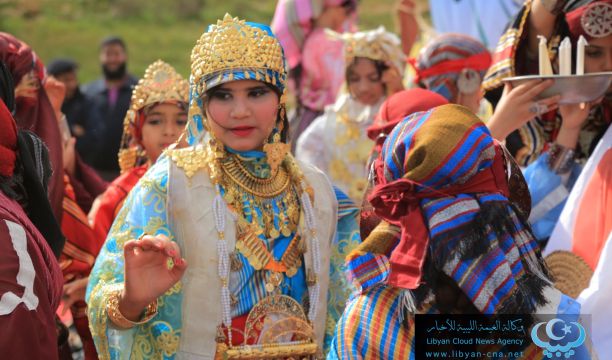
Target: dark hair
{"type": "Point", "coordinates": [113, 40]}
{"type": "Point", "coordinates": [285, 122]}
{"type": "Point", "coordinates": [61, 66]}
{"type": "Point", "coordinates": [349, 5]}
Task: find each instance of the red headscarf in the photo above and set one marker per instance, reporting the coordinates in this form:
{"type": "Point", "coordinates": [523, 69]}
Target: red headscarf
{"type": "Point", "coordinates": [37, 116]}
{"type": "Point", "coordinates": [400, 105]}
{"type": "Point", "coordinates": [8, 141]}
{"type": "Point", "coordinates": [589, 20]}
{"type": "Point", "coordinates": [396, 108]}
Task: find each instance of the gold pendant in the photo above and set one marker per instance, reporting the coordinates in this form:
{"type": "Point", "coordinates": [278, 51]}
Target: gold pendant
{"type": "Point", "coordinates": [274, 234]}
{"type": "Point", "coordinates": [235, 263]}
{"type": "Point", "coordinates": [274, 280]}
{"type": "Point", "coordinates": [285, 231]}
{"type": "Point", "coordinates": [291, 272]}
{"type": "Point", "coordinates": [276, 152]}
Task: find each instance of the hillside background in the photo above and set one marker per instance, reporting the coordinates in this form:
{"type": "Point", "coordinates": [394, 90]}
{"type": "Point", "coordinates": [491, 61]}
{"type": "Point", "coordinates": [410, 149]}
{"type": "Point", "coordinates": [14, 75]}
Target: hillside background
{"type": "Point", "coordinates": [164, 29]}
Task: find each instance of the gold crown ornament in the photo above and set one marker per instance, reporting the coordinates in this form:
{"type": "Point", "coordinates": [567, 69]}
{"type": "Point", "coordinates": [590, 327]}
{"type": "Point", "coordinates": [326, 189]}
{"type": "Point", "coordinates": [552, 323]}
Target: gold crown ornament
{"type": "Point", "coordinates": [160, 83]}
{"type": "Point", "coordinates": [376, 44]}
{"type": "Point", "coordinates": [233, 49]}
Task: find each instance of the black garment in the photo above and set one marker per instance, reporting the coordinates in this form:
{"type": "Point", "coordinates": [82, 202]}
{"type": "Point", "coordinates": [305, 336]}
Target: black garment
{"type": "Point", "coordinates": [78, 113]}
{"type": "Point", "coordinates": [36, 171]}
{"type": "Point", "coordinates": [109, 123]}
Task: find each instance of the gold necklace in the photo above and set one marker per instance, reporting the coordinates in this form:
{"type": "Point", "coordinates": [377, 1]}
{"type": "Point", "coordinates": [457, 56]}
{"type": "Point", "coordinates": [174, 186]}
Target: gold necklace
{"type": "Point", "coordinates": [264, 188]}
{"type": "Point", "coordinates": [244, 193]}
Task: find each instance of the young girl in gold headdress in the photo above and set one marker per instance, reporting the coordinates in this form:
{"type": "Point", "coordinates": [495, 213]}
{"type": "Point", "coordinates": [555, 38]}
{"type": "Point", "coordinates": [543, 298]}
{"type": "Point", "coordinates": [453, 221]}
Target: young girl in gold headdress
{"type": "Point", "coordinates": [219, 252]}
{"type": "Point", "coordinates": [337, 142]}
{"type": "Point", "coordinates": [156, 118]}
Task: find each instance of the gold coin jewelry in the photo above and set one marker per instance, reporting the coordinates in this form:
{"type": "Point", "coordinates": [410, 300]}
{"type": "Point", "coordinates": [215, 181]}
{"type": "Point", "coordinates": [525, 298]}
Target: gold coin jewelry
{"type": "Point", "coordinates": [274, 281]}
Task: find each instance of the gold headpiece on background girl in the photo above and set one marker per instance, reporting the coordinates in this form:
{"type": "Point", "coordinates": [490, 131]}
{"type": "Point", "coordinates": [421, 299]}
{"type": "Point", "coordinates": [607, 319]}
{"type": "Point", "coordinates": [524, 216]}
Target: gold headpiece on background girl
{"type": "Point", "coordinates": [376, 44]}
{"type": "Point", "coordinates": [160, 83]}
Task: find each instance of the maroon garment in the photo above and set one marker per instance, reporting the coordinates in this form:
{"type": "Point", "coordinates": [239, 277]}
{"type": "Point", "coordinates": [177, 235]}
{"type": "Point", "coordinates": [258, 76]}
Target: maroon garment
{"type": "Point", "coordinates": [87, 184]}
{"type": "Point", "coordinates": [8, 142]}
{"type": "Point", "coordinates": [27, 330]}
{"type": "Point", "coordinates": [37, 116]}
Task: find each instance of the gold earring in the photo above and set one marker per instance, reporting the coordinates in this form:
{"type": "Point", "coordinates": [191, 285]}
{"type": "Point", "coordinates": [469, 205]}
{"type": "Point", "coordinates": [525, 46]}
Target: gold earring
{"type": "Point", "coordinates": [127, 159]}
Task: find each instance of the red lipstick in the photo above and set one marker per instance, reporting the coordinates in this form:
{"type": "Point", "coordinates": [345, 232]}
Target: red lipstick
{"type": "Point", "coordinates": [242, 131]}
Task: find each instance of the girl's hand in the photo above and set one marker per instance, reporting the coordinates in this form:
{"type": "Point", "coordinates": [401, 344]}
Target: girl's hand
{"type": "Point", "coordinates": [518, 106]}
{"type": "Point", "coordinates": [147, 274]}
{"type": "Point", "coordinates": [573, 117]}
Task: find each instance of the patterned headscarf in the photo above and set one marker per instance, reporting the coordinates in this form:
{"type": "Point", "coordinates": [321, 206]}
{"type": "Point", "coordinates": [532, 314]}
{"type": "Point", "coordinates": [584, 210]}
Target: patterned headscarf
{"type": "Point", "coordinates": [230, 50]}
{"type": "Point", "coordinates": [449, 200]}
{"type": "Point", "coordinates": [395, 109]}
{"type": "Point", "coordinates": [591, 19]}
{"type": "Point", "coordinates": [440, 63]}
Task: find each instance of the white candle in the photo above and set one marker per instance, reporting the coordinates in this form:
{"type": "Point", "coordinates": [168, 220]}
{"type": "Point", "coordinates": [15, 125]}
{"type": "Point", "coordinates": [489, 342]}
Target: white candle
{"type": "Point", "coordinates": [544, 59]}
{"type": "Point", "coordinates": [565, 57]}
{"type": "Point", "coordinates": [582, 43]}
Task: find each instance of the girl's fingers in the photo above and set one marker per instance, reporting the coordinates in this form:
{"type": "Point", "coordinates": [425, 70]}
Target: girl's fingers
{"type": "Point", "coordinates": [180, 266]}
{"type": "Point", "coordinates": [507, 88]}
{"type": "Point", "coordinates": [535, 89]}
{"type": "Point", "coordinates": [172, 250]}
{"type": "Point", "coordinates": [551, 103]}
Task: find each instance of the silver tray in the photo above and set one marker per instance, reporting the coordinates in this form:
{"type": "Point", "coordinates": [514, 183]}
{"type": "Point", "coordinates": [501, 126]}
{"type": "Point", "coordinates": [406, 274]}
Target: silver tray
{"type": "Point", "coordinates": [572, 88]}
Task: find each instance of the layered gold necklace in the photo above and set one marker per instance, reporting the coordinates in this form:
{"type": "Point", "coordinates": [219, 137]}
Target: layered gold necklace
{"type": "Point", "coordinates": [267, 207]}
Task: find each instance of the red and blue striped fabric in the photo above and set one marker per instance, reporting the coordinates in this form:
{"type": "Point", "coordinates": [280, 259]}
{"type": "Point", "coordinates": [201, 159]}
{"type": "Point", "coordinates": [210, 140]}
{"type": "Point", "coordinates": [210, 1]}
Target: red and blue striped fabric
{"type": "Point", "coordinates": [447, 146]}
{"type": "Point", "coordinates": [472, 236]}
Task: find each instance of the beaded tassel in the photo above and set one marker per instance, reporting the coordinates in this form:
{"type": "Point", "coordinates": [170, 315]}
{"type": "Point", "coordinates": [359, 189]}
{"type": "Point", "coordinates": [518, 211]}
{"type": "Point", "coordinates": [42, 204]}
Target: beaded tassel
{"type": "Point", "coordinates": [224, 261]}
{"type": "Point", "coordinates": [314, 289]}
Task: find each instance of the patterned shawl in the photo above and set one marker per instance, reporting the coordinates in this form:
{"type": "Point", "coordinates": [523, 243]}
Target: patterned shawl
{"type": "Point", "coordinates": [447, 202]}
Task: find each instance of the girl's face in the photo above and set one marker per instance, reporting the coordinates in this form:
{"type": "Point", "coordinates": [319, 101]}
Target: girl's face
{"type": "Point", "coordinates": [364, 81]}
{"type": "Point", "coordinates": [598, 56]}
{"type": "Point", "coordinates": [162, 126]}
{"type": "Point", "coordinates": [28, 86]}
{"type": "Point", "coordinates": [242, 114]}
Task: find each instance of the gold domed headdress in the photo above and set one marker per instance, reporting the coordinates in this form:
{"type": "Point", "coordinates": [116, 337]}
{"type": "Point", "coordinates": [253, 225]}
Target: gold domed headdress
{"type": "Point", "coordinates": [161, 83]}
{"type": "Point", "coordinates": [230, 50]}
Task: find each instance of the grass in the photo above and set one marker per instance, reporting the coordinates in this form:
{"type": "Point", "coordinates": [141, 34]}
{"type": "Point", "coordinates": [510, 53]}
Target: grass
{"type": "Point", "coordinates": [152, 29]}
